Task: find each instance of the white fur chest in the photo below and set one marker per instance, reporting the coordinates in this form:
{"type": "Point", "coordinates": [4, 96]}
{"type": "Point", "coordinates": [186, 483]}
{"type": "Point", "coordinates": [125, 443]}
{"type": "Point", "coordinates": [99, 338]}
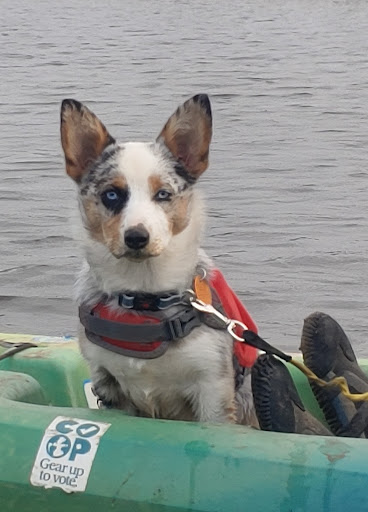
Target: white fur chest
{"type": "Point", "coordinates": [170, 381]}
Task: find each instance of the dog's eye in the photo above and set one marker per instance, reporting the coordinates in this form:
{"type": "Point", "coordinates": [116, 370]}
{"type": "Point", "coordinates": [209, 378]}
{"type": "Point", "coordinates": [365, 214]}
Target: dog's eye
{"type": "Point", "coordinates": [163, 195]}
{"type": "Point", "coordinates": [111, 195]}
{"type": "Point", "coordinates": [114, 199]}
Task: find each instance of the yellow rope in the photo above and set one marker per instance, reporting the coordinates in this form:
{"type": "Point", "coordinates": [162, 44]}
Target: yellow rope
{"type": "Point", "coordinates": [339, 382]}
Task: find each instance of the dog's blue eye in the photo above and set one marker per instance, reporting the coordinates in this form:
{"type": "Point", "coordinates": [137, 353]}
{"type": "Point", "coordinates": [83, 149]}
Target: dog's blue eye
{"type": "Point", "coordinates": [114, 199]}
{"type": "Point", "coordinates": [163, 195]}
{"type": "Point", "coordinates": [111, 195]}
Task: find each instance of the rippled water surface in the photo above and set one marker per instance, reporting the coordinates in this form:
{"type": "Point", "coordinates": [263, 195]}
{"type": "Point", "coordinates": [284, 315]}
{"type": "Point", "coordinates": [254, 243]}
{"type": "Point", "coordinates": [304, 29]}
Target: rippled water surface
{"type": "Point", "coordinates": [287, 186]}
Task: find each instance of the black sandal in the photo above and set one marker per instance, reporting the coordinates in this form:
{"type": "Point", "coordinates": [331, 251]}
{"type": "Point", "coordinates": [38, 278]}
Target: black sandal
{"type": "Point", "coordinates": [276, 400]}
{"type": "Point", "coordinates": [328, 353]}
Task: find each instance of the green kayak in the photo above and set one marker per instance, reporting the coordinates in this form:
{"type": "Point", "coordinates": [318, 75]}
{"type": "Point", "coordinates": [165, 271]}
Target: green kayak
{"type": "Point", "coordinates": [60, 454]}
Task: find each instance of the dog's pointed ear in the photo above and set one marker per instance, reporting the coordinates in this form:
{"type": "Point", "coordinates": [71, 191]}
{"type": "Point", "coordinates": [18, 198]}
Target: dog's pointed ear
{"type": "Point", "coordinates": [83, 137]}
{"type": "Point", "coordinates": [188, 134]}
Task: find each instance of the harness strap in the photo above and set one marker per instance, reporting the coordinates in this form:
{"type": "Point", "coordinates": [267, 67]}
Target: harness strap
{"type": "Point", "coordinates": [172, 328]}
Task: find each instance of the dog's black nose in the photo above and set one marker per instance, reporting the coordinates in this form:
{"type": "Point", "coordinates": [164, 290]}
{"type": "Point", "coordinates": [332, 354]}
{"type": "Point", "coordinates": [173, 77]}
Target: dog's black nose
{"type": "Point", "coordinates": [136, 238]}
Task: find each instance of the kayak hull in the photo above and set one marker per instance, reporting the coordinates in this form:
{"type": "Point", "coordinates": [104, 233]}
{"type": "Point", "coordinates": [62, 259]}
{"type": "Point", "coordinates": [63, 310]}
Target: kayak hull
{"type": "Point", "coordinates": [156, 465]}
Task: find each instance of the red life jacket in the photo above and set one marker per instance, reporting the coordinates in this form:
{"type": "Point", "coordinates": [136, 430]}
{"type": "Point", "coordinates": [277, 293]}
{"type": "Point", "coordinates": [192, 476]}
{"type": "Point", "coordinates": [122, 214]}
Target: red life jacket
{"type": "Point", "coordinates": [234, 309]}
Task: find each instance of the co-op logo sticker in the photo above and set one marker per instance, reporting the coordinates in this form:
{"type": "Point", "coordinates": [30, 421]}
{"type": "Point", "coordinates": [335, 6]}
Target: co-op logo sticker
{"type": "Point", "coordinates": [66, 453]}
{"type": "Point", "coordinates": [60, 445]}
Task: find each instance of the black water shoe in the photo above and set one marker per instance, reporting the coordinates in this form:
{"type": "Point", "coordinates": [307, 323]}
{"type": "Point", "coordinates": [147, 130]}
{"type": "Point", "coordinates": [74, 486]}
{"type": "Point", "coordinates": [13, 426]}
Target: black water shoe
{"type": "Point", "coordinates": [276, 400]}
{"type": "Point", "coordinates": [328, 353]}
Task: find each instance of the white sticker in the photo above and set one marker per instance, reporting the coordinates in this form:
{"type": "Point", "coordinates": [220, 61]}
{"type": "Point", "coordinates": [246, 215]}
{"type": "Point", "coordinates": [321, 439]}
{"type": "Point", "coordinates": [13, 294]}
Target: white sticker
{"type": "Point", "coordinates": [66, 453]}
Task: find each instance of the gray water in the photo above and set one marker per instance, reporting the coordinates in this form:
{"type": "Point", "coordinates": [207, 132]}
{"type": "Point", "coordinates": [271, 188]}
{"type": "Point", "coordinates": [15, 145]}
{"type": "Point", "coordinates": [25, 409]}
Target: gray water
{"type": "Point", "coordinates": [287, 185]}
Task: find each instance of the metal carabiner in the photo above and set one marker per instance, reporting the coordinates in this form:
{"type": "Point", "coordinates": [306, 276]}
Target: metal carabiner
{"type": "Point", "coordinates": [208, 308]}
{"type": "Point", "coordinates": [230, 324]}
{"type": "Point", "coordinates": [231, 329]}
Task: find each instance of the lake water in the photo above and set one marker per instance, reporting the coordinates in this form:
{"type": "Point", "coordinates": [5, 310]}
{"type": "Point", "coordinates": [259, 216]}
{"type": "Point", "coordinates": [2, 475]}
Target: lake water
{"type": "Point", "coordinates": [287, 186]}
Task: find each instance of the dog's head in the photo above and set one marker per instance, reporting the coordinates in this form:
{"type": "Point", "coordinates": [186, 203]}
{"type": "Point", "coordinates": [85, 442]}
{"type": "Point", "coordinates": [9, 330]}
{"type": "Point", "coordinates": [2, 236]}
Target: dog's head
{"type": "Point", "coordinates": [135, 197]}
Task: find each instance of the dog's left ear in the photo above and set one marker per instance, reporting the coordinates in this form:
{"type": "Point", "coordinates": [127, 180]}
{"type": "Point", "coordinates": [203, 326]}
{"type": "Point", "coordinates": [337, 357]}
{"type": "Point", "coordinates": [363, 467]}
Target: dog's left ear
{"type": "Point", "coordinates": [188, 134]}
{"type": "Point", "coordinates": [83, 137]}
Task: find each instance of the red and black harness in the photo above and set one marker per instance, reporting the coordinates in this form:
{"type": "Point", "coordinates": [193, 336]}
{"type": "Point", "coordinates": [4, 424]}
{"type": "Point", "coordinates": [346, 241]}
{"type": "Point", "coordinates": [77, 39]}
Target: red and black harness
{"type": "Point", "coordinates": [142, 325]}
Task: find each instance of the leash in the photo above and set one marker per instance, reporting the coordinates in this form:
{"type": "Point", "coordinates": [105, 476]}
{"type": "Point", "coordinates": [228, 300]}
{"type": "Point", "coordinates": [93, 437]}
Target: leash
{"type": "Point", "coordinates": [254, 340]}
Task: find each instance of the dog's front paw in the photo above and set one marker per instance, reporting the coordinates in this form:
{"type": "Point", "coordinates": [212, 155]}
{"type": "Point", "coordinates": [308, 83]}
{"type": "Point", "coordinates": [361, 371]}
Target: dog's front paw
{"type": "Point", "coordinates": [102, 402]}
{"type": "Point", "coordinates": [107, 390]}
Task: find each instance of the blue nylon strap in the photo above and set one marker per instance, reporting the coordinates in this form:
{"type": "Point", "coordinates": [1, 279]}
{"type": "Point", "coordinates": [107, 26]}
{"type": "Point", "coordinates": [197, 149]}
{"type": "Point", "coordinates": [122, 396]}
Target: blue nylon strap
{"type": "Point", "coordinates": [143, 302]}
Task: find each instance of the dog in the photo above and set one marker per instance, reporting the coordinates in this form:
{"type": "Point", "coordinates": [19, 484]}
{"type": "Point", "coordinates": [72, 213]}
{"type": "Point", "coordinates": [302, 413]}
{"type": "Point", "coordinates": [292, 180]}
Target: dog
{"type": "Point", "coordinates": [141, 226]}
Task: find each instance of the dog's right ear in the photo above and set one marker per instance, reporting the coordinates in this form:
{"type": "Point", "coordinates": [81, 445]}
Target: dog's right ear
{"type": "Point", "coordinates": [83, 137]}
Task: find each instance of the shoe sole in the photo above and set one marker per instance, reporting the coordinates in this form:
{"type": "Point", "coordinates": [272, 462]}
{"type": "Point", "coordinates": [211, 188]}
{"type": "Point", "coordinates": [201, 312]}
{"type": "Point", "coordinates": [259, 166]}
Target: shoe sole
{"type": "Point", "coordinates": [328, 353]}
{"type": "Point", "coordinates": [276, 400]}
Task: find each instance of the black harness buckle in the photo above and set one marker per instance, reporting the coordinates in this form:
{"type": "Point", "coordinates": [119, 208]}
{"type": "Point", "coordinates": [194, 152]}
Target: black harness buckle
{"type": "Point", "coordinates": [182, 325]}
